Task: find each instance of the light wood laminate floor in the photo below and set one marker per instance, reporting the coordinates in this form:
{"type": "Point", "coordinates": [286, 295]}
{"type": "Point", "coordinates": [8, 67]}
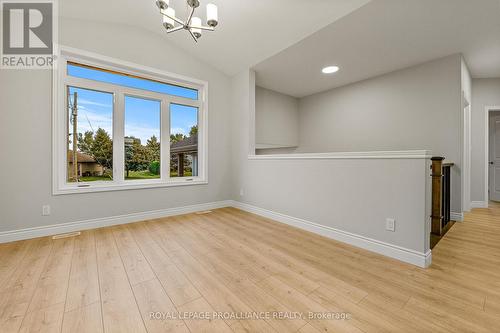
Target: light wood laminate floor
{"type": "Point", "coordinates": [229, 261]}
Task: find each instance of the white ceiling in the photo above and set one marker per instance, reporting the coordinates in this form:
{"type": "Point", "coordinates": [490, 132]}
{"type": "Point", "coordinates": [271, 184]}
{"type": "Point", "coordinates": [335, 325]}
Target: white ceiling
{"type": "Point", "coordinates": [249, 30]}
{"type": "Point", "coordinates": [386, 35]}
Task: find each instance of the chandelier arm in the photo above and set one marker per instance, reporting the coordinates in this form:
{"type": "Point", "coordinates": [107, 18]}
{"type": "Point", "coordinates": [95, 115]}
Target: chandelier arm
{"type": "Point", "coordinates": [180, 27]}
{"type": "Point", "coordinates": [172, 17]}
{"type": "Point", "coordinates": [191, 13]}
{"type": "Point", "coordinates": [192, 35]}
{"type": "Point", "coordinates": [202, 28]}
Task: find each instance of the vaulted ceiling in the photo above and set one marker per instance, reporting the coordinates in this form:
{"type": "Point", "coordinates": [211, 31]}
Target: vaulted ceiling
{"type": "Point", "coordinates": [287, 42]}
{"type": "Point", "coordinates": [384, 36]}
{"type": "Point", "coordinates": [249, 30]}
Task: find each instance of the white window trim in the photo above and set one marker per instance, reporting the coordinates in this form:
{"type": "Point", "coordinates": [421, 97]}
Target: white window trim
{"type": "Point", "coordinates": [59, 123]}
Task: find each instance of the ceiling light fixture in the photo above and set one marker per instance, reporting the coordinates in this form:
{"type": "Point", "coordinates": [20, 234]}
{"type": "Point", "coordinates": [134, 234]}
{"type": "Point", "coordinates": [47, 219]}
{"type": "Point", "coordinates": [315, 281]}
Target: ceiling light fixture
{"type": "Point", "coordinates": [192, 24]}
{"type": "Point", "coordinates": [330, 70]}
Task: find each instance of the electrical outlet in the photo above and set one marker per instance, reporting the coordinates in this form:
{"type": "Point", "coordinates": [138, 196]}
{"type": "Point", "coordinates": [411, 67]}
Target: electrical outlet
{"type": "Point", "coordinates": [45, 210]}
{"type": "Point", "coordinates": [242, 192]}
{"type": "Point", "coordinates": [390, 225]}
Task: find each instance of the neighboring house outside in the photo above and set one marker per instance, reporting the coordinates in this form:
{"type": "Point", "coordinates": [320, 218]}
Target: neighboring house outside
{"type": "Point", "coordinates": [184, 155]}
{"type": "Point", "coordinates": [87, 166]}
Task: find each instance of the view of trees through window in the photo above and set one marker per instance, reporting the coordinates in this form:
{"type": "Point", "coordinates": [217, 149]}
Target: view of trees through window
{"type": "Point", "coordinates": [142, 138]}
{"type": "Point", "coordinates": [183, 141]}
{"type": "Point", "coordinates": [90, 130]}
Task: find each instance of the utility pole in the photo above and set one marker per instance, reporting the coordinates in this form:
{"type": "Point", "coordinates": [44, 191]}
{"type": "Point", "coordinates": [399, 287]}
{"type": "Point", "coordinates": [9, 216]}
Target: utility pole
{"type": "Point", "coordinates": [74, 113]}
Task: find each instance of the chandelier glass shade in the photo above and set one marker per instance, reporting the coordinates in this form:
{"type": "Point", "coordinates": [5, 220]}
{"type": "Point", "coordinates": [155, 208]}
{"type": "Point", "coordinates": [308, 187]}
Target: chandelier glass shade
{"type": "Point", "coordinates": [192, 24]}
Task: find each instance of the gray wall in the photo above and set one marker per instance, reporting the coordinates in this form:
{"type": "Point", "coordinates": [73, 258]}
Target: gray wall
{"type": "Point", "coordinates": [414, 108]}
{"type": "Point", "coordinates": [351, 195]}
{"type": "Point", "coordinates": [485, 92]}
{"type": "Point", "coordinates": [276, 119]}
{"type": "Point", "coordinates": [26, 142]}
{"type": "Point", "coordinates": [315, 190]}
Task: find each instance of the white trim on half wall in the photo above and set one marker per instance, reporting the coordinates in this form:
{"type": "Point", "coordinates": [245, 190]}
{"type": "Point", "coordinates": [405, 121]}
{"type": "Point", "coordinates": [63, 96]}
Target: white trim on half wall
{"type": "Point", "coordinates": [404, 154]}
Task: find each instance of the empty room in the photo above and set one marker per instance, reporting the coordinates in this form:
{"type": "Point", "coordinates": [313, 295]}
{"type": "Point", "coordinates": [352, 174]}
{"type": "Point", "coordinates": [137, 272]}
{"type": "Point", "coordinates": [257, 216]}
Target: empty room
{"type": "Point", "coordinates": [250, 166]}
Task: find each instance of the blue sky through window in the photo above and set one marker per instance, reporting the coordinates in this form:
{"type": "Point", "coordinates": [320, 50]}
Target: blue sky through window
{"type": "Point", "coordinates": [95, 110]}
{"type": "Point", "coordinates": [131, 82]}
{"type": "Point", "coordinates": [182, 118]}
{"type": "Point", "coordinates": [142, 116]}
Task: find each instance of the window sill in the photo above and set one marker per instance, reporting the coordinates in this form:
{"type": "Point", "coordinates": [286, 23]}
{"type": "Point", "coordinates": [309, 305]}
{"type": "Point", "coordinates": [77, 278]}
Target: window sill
{"type": "Point", "coordinates": [133, 185]}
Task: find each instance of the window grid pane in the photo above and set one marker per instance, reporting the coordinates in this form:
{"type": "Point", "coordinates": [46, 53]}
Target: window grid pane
{"type": "Point", "coordinates": [86, 72]}
{"type": "Point", "coordinates": [142, 138]}
{"type": "Point", "coordinates": [183, 141]}
{"type": "Point", "coordinates": [90, 126]}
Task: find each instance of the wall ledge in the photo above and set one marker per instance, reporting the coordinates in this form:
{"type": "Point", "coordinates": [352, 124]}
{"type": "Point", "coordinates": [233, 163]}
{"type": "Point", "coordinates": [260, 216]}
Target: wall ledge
{"type": "Point", "coordinates": [404, 154]}
{"type": "Point", "coordinates": [273, 146]}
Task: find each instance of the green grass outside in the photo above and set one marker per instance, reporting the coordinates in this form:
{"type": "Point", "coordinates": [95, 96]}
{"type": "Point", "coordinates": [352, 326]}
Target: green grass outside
{"type": "Point", "coordinates": [140, 175]}
{"type": "Point", "coordinates": [133, 175]}
{"type": "Point", "coordinates": [186, 174]}
{"type": "Point", "coordinates": [95, 179]}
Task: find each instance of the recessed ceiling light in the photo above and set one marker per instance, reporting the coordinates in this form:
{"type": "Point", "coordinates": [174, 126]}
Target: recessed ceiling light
{"type": "Point", "coordinates": [330, 70]}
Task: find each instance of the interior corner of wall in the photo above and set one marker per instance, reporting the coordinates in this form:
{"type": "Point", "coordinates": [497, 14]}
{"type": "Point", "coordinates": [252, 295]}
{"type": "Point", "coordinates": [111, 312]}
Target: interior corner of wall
{"type": "Point", "coordinates": [251, 112]}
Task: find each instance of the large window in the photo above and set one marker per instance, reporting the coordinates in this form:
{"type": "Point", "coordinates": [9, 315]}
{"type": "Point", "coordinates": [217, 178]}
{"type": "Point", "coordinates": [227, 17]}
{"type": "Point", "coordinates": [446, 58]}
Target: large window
{"type": "Point", "coordinates": [122, 126]}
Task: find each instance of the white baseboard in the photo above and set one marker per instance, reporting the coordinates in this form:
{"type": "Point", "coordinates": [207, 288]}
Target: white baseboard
{"type": "Point", "coordinates": [410, 256]}
{"type": "Point", "coordinates": [479, 204]}
{"type": "Point", "coordinates": [393, 251]}
{"type": "Point", "coordinates": [457, 217]}
{"type": "Point", "coordinates": [15, 235]}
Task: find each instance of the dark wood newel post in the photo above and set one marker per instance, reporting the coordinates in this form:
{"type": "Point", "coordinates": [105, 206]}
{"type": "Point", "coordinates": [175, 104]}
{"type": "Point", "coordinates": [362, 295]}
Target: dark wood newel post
{"type": "Point", "coordinates": [437, 195]}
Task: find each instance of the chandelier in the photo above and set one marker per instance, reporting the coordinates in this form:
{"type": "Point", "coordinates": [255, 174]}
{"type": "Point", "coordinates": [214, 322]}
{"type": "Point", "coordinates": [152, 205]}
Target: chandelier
{"type": "Point", "coordinates": [192, 24]}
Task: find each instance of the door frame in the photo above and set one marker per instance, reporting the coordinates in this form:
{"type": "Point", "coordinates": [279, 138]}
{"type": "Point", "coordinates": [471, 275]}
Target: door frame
{"type": "Point", "coordinates": [466, 154]}
{"type": "Point", "coordinates": [487, 111]}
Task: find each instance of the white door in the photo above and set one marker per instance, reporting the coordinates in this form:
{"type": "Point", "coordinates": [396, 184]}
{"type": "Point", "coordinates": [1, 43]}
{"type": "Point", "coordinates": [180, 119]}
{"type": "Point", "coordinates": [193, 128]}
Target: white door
{"type": "Point", "coordinates": [494, 169]}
